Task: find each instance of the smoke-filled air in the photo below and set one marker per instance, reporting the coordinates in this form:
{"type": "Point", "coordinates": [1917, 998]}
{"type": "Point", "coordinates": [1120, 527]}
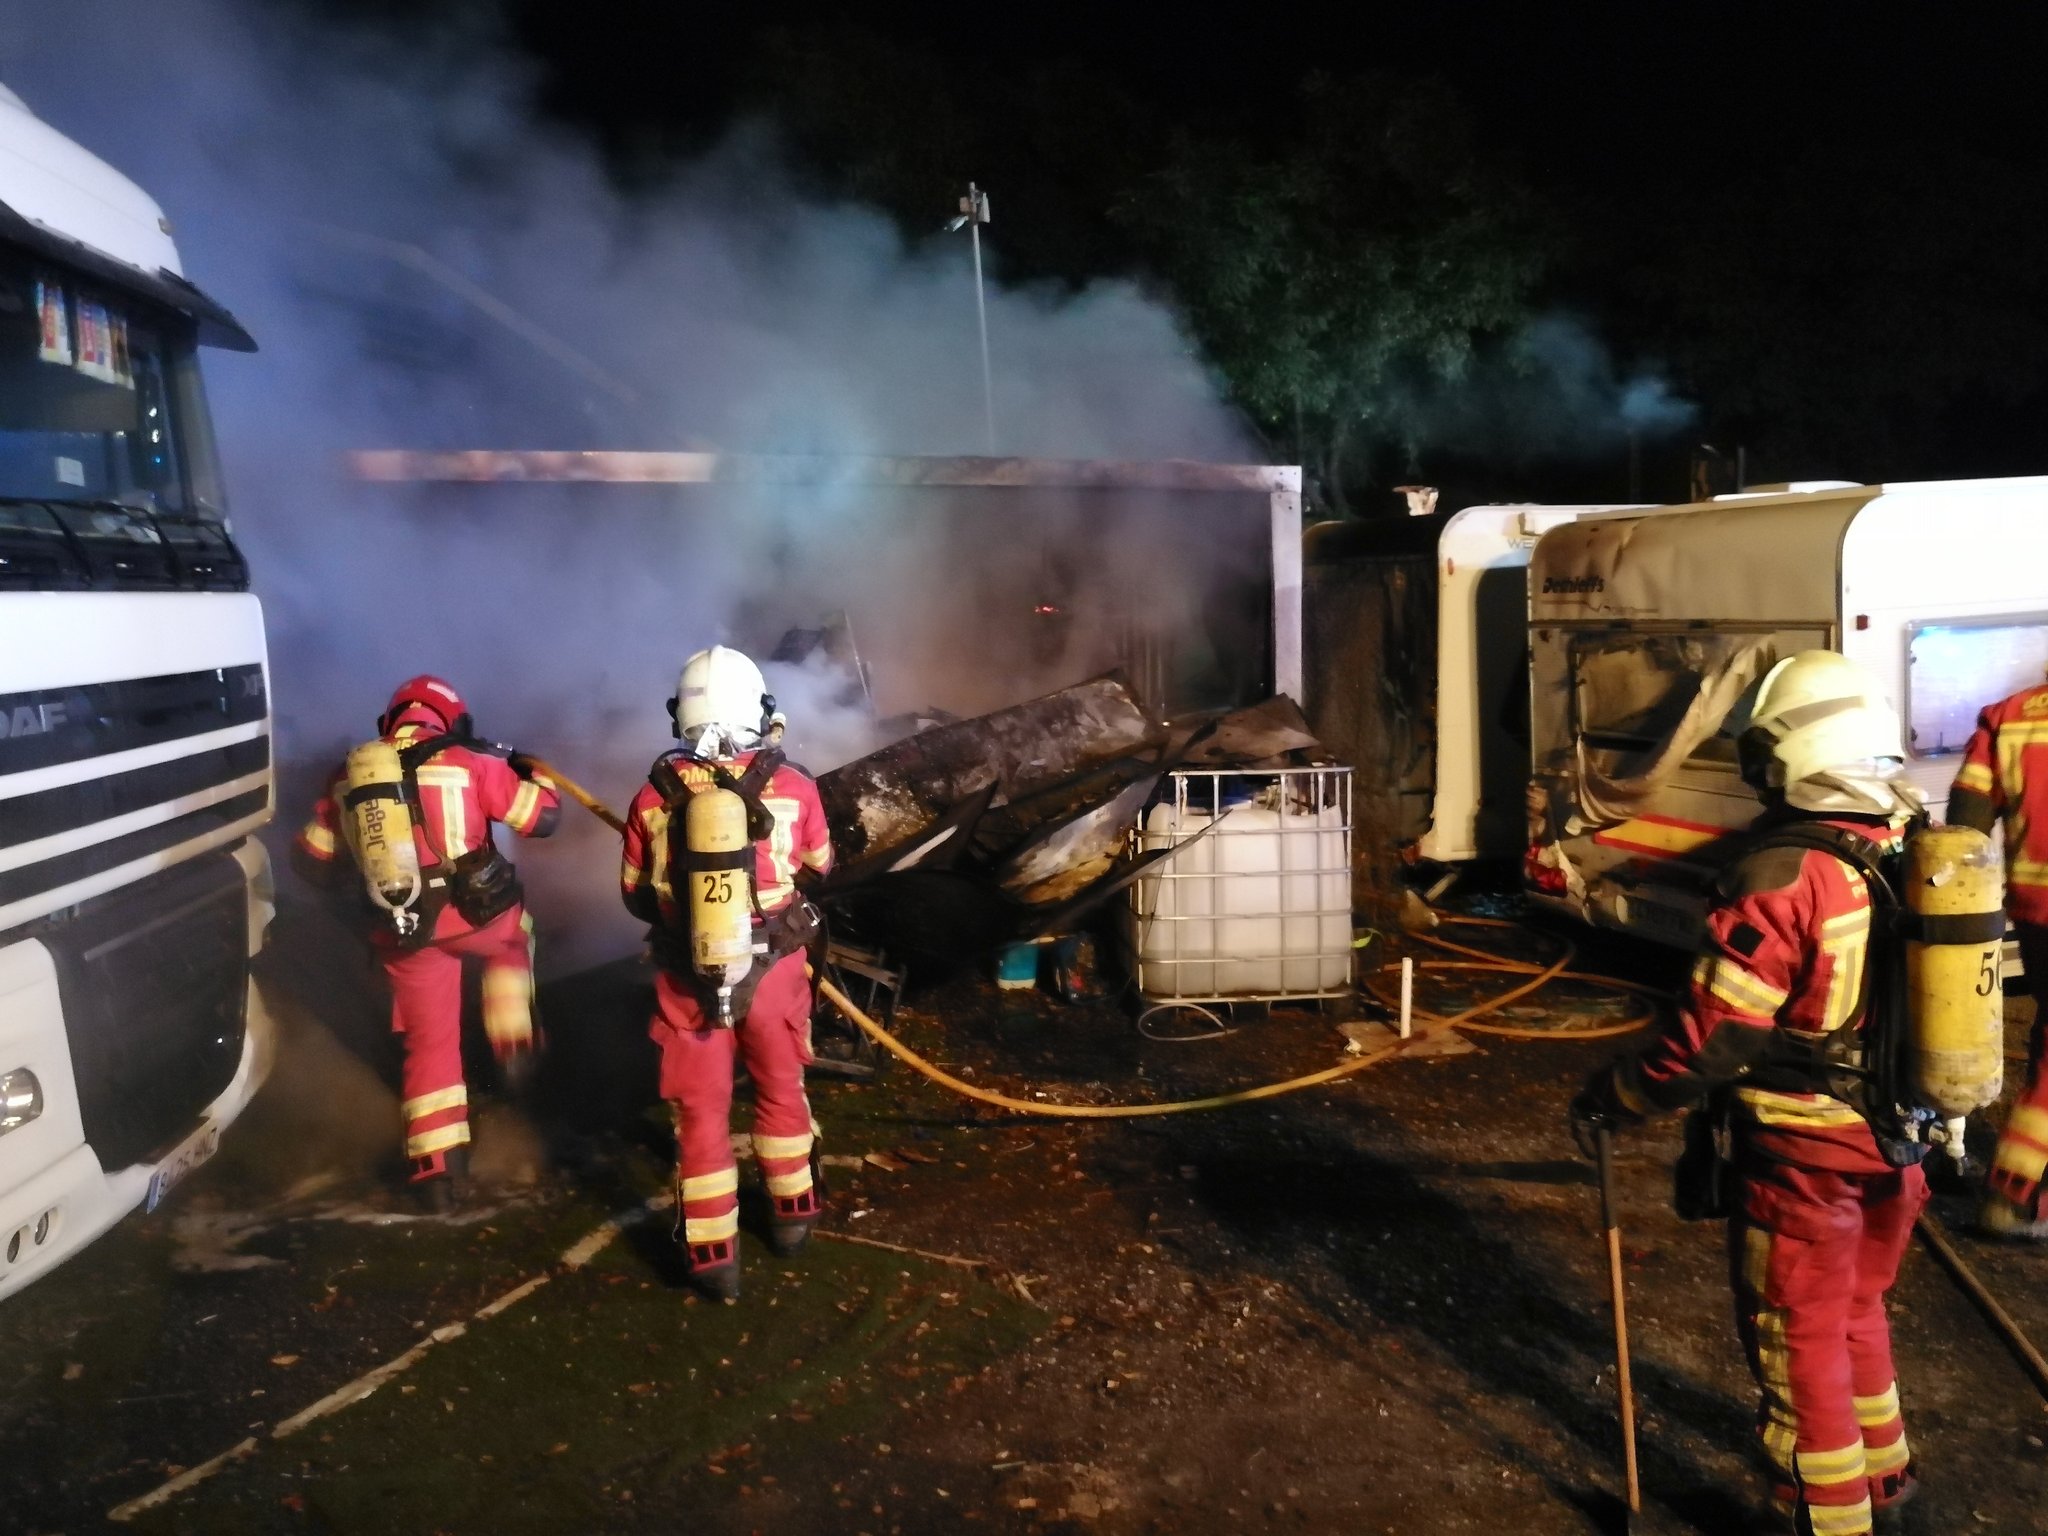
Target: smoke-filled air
{"type": "Point", "coordinates": [1551, 389]}
{"type": "Point", "coordinates": [424, 267]}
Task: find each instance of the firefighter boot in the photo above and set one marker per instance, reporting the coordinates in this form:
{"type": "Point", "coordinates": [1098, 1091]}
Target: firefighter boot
{"type": "Point", "coordinates": [795, 1215]}
{"type": "Point", "coordinates": [1889, 1496]}
{"type": "Point", "coordinates": [2000, 1217]}
{"type": "Point", "coordinates": [440, 1180]}
{"type": "Point", "coordinates": [714, 1269]}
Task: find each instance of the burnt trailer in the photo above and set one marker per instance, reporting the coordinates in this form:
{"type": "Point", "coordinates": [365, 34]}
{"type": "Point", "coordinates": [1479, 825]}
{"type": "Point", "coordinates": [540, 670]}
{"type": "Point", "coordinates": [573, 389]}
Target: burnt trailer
{"type": "Point", "coordinates": [1185, 576]}
{"type": "Point", "coordinates": [971, 584]}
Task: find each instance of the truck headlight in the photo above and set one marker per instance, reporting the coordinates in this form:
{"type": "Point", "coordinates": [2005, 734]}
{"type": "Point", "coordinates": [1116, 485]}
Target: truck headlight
{"type": "Point", "coordinates": [21, 1099]}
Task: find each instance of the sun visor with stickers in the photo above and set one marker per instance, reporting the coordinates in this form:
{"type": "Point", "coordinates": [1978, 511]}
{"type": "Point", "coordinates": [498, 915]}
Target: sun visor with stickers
{"type": "Point", "coordinates": [217, 325]}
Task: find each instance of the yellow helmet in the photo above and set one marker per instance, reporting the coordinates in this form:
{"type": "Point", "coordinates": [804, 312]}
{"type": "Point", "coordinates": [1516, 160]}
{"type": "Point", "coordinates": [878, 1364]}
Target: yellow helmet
{"type": "Point", "coordinates": [1816, 711]}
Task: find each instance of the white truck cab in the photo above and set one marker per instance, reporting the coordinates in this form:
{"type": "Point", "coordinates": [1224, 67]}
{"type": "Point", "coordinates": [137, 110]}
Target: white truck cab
{"type": "Point", "coordinates": [135, 760]}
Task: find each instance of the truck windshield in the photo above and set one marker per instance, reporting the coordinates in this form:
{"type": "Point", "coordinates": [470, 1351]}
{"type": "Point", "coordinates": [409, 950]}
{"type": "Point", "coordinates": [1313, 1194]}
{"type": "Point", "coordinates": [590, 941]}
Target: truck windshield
{"type": "Point", "coordinates": [100, 398]}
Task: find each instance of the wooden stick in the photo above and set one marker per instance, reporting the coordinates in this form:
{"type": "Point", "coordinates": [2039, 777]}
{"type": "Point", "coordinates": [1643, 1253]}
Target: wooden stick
{"type": "Point", "coordinates": [2000, 1319]}
{"type": "Point", "coordinates": [1624, 1388]}
{"type": "Point", "coordinates": [916, 1253]}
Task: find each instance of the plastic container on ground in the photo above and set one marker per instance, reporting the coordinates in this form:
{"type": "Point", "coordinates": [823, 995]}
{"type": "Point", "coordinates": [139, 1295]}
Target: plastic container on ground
{"type": "Point", "coordinates": [1260, 908]}
{"type": "Point", "coordinates": [1017, 966]}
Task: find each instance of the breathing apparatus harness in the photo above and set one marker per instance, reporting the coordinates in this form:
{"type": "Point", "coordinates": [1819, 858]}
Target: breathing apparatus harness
{"type": "Point", "coordinates": [1863, 1062]}
{"type": "Point", "coordinates": [383, 804]}
{"type": "Point", "coordinates": [1924, 1044]}
{"type": "Point", "coordinates": [1866, 1060]}
{"type": "Point", "coordinates": [723, 947]}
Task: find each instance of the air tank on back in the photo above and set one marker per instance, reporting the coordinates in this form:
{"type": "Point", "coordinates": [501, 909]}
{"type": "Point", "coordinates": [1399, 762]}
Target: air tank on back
{"type": "Point", "coordinates": [1955, 888]}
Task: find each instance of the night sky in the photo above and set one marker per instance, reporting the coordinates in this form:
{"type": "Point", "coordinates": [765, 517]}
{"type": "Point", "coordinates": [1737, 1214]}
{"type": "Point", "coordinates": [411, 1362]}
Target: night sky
{"type": "Point", "coordinates": [1822, 224]}
{"type": "Point", "coordinates": [1592, 96]}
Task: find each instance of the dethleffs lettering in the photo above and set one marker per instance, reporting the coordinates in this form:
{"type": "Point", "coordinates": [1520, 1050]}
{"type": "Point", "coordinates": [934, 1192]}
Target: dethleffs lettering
{"type": "Point", "coordinates": [31, 719]}
{"type": "Point", "coordinates": [1569, 584]}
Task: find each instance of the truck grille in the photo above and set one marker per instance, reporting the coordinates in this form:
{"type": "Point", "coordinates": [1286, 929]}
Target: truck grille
{"type": "Point", "coordinates": [203, 774]}
{"type": "Point", "coordinates": [154, 980]}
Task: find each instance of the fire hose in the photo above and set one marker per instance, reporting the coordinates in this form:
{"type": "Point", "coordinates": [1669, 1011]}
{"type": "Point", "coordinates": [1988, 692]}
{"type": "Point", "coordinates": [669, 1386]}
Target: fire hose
{"type": "Point", "coordinates": [2001, 1321]}
{"type": "Point", "coordinates": [1537, 977]}
{"type": "Point", "coordinates": [580, 795]}
{"type": "Point", "coordinates": [1480, 960]}
{"type": "Point", "coordinates": [1471, 959]}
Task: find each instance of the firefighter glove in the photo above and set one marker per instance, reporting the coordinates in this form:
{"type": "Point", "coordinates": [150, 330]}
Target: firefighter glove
{"type": "Point", "coordinates": [520, 764]}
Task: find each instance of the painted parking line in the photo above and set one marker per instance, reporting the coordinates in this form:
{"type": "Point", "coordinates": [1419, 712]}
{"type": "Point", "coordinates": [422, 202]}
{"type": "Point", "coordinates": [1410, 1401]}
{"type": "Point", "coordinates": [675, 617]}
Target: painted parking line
{"type": "Point", "coordinates": [573, 1258]}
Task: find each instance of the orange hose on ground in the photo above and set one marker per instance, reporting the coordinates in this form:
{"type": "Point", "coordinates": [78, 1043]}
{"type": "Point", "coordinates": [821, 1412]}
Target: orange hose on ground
{"type": "Point", "coordinates": [944, 1079]}
{"type": "Point", "coordinates": [1538, 976]}
{"type": "Point", "coordinates": [1480, 960]}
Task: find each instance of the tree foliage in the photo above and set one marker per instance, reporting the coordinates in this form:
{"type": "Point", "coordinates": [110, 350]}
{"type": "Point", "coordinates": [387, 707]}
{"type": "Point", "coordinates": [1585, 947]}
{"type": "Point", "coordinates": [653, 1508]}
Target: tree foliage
{"type": "Point", "coordinates": [1326, 270]}
{"type": "Point", "coordinates": [1333, 280]}
{"type": "Point", "coordinates": [1844, 280]}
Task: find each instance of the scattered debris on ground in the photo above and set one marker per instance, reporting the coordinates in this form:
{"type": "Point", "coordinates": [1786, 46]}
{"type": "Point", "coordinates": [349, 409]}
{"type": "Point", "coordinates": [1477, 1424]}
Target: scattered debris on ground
{"type": "Point", "coordinates": [1376, 1307]}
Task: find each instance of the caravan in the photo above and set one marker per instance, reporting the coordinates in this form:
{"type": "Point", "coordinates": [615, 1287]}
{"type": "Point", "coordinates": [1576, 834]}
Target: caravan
{"type": "Point", "coordinates": [1482, 699]}
{"type": "Point", "coordinates": [1649, 630]}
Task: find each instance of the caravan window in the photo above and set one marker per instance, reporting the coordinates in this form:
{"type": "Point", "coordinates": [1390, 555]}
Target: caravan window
{"type": "Point", "coordinates": [1632, 690]}
{"type": "Point", "coordinates": [1954, 670]}
{"type": "Point", "coordinates": [1667, 698]}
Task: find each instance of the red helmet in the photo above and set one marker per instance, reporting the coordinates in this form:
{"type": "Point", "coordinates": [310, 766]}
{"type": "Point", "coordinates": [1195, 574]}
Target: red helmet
{"type": "Point", "coordinates": [436, 696]}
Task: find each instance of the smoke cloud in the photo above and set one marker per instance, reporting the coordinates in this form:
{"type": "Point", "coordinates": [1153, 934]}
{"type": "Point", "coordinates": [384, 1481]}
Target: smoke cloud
{"type": "Point", "coordinates": [426, 267]}
{"type": "Point", "coordinates": [1551, 390]}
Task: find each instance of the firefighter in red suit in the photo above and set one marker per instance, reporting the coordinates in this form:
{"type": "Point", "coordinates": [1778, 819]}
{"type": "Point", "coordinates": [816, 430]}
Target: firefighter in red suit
{"type": "Point", "coordinates": [1821, 1215]}
{"type": "Point", "coordinates": [470, 909]}
{"type": "Point", "coordinates": [723, 715]}
{"type": "Point", "coordinates": [2005, 776]}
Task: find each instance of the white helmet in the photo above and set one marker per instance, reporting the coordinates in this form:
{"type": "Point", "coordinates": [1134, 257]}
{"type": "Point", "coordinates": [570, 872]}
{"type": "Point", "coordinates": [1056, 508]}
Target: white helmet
{"type": "Point", "coordinates": [1817, 712]}
{"type": "Point", "coordinates": [722, 705]}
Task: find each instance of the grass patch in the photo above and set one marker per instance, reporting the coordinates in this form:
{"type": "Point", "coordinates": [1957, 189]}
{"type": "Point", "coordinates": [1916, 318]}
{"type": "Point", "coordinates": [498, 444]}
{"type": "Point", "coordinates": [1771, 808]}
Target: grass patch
{"type": "Point", "coordinates": [603, 1392]}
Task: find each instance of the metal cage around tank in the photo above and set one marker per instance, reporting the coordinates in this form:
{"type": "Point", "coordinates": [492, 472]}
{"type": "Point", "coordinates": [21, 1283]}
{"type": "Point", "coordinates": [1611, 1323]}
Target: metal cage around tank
{"type": "Point", "coordinates": [1256, 907]}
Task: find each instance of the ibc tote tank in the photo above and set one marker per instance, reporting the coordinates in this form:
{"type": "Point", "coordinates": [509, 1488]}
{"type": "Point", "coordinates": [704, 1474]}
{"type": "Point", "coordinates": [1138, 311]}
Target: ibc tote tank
{"type": "Point", "coordinates": [1260, 908]}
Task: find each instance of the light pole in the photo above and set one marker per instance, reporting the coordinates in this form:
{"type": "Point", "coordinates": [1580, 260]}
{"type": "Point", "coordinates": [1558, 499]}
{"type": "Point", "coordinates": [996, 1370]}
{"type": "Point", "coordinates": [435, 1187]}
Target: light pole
{"type": "Point", "coordinates": [973, 214]}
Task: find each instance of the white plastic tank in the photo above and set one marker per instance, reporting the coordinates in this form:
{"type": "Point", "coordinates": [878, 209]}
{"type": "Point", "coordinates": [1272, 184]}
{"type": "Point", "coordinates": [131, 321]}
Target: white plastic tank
{"type": "Point", "coordinates": [1260, 908]}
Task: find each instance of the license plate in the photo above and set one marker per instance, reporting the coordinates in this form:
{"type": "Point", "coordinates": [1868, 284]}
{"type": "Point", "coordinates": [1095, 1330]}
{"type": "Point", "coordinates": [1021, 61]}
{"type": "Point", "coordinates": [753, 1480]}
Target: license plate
{"type": "Point", "coordinates": [175, 1169]}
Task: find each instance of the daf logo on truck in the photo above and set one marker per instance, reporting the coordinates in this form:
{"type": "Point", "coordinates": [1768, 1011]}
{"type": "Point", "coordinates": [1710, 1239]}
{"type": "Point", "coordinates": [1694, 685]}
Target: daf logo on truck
{"type": "Point", "coordinates": [31, 719]}
{"type": "Point", "coordinates": [134, 715]}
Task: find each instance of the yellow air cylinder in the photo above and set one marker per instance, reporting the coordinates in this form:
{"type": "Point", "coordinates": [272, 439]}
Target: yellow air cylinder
{"type": "Point", "coordinates": [719, 903]}
{"type": "Point", "coordinates": [1956, 889]}
{"type": "Point", "coordinates": [379, 825]}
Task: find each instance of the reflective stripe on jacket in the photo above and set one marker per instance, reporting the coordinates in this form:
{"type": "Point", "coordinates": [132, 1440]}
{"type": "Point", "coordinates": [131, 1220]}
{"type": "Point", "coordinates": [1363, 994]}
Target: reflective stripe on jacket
{"type": "Point", "coordinates": [2005, 768]}
{"type": "Point", "coordinates": [461, 792]}
{"type": "Point", "coordinates": [1785, 952]}
{"type": "Point", "coordinates": [799, 841]}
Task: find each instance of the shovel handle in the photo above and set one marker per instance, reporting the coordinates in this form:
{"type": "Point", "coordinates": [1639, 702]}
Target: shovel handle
{"type": "Point", "coordinates": [1624, 1389]}
{"type": "Point", "coordinates": [1603, 1141]}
